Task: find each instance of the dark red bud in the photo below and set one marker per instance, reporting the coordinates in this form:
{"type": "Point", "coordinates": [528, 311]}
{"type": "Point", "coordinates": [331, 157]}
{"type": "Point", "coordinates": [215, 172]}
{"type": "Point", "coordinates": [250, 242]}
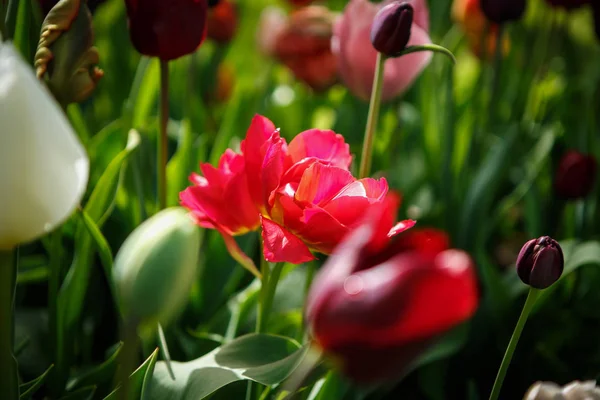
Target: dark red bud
{"type": "Point", "coordinates": [167, 29]}
{"type": "Point", "coordinates": [390, 31]}
{"type": "Point", "coordinates": [540, 262]}
{"type": "Point", "coordinates": [568, 4]}
{"type": "Point", "coordinates": [501, 11]}
{"type": "Point", "coordinates": [575, 175]}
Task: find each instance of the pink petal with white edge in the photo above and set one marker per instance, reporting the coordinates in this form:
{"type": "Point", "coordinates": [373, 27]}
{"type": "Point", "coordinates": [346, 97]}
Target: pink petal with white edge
{"type": "Point", "coordinates": [324, 145]}
{"type": "Point", "coordinates": [281, 245]}
{"type": "Point", "coordinates": [401, 227]}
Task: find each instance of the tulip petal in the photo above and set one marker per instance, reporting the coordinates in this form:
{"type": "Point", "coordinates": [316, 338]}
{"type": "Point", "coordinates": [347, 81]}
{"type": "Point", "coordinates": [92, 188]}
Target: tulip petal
{"type": "Point", "coordinates": [272, 169]}
{"type": "Point", "coordinates": [238, 254]}
{"type": "Point", "coordinates": [321, 183]}
{"type": "Point", "coordinates": [321, 230]}
{"type": "Point", "coordinates": [401, 227]}
{"type": "Point", "coordinates": [280, 245]}
{"type": "Point", "coordinates": [324, 145]}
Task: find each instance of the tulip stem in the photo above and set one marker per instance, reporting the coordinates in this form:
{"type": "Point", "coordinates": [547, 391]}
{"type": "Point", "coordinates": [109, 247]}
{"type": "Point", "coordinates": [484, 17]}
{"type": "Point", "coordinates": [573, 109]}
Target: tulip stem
{"type": "Point", "coordinates": [434, 48]}
{"type": "Point", "coordinates": [374, 106]}
{"type": "Point", "coordinates": [531, 298]}
{"type": "Point", "coordinates": [9, 378]}
{"type": "Point", "coordinates": [269, 294]}
{"type": "Point", "coordinates": [129, 352]}
{"type": "Point", "coordinates": [162, 139]}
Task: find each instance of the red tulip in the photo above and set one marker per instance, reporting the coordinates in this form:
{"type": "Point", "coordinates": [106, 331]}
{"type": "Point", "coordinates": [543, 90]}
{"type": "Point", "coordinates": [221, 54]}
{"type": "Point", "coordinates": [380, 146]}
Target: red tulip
{"type": "Point", "coordinates": [470, 17]}
{"type": "Point", "coordinates": [356, 55]}
{"type": "Point", "coordinates": [375, 309]}
{"type": "Point", "coordinates": [222, 22]}
{"type": "Point", "coordinates": [167, 29]}
{"type": "Point", "coordinates": [575, 175]}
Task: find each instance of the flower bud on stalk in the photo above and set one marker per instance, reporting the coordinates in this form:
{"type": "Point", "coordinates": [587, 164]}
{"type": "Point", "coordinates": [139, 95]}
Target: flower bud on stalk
{"type": "Point", "coordinates": [44, 167]}
{"type": "Point", "coordinates": [155, 268]}
{"type": "Point", "coordinates": [501, 11]}
{"type": "Point", "coordinates": [540, 262]}
{"type": "Point", "coordinates": [65, 58]}
{"type": "Point", "coordinates": [391, 27]}
{"type": "Point", "coordinates": [575, 175]}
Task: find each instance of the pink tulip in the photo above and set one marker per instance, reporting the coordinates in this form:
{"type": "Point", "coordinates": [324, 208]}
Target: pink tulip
{"type": "Point", "coordinates": [302, 194]}
{"type": "Point", "coordinates": [356, 55]}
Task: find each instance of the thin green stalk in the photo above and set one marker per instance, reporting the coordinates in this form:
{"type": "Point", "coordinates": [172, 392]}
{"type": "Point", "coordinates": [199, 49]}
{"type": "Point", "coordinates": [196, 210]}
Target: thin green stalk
{"type": "Point", "coordinates": [9, 378]}
{"type": "Point", "coordinates": [162, 138]}
{"type": "Point", "coordinates": [496, 73]}
{"type": "Point", "coordinates": [531, 298]}
{"type": "Point", "coordinates": [374, 106]}
{"type": "Point", "coordinates": [129, 352]}
{"type": "Point", "coordinates": [269, 295]}
{"type": "Point", "coordinates": [260, 317]}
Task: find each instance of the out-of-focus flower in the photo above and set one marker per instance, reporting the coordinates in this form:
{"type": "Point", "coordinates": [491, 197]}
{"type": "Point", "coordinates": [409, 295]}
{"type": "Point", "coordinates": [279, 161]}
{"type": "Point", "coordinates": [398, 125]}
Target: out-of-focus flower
{"type": "Point", "coordinates": [225, 83]}
{"type": "Point", "coordinates": [44, 167]}
{"type": "Point", "coordinates": [377, 304]}
{"type": "Point", "coordinates": [303, 192]}
{"type": "Point", "coordinates": [391, 27]}
{"type": "Point", "coordinates": [155, 268]}
{"type": "Point", "coordinates": [66, 59]}
{"type": "Point", "coordinates": [300, 3]}
{"type": "Point", "coordinates": [222, 22]}
{"type": "Point", "coordinates": [501, 11]}
{"type": "Point", "coordinates": [540, 262]}
{"type": "Point", "coordinates": [575, 390]}
{"type": "Point", "coordinates": [167, 29]}
{"type": "Point", "coordinates": [357, 57]}
{"type": "Point", "coordinates": [302, 43]}
{"type": "Point", "coordinates": [569, 4]}
{"type": "Point", "coordinates": [575, 175]}
{"type": "Point", "coordinates": [473, 22]}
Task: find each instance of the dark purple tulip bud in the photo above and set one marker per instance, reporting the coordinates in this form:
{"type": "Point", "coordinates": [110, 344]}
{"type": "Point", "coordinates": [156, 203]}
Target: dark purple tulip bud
{"type": "Point", "coordinates": [575, 175]}
{"type": "Point", "coordinates": [540, 262]}
{"type": "Point", "coordinates": [390, 31]}
{"type": "Point", "coordinates": [501, 11]}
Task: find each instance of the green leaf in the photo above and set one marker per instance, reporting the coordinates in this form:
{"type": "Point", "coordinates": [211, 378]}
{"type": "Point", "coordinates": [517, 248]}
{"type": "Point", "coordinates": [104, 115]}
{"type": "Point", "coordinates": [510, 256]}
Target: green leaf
{"type": "Point", "coordinates": [181, 164]}
{"type": "Point", "coordinates": [85, 393]}
{"type": "Point", "coordinates": [145, 91]}
{"type": "Point", "coordinates": [100, 374]}
{"type": "Point", "coordinates": [72, 292]}
{"type": "Point", "coordinates": [262, 358]}
{"type": "Point", "coordinates": [332, 386]}
{"type": "Point", "coordinates": [102, 245]}
{"type": "Point", "coordinates": [447, 346]}
{"type": "Point", "coordinates": [28, 389]}
{"type": "Point", "coordinates": [139, 380]}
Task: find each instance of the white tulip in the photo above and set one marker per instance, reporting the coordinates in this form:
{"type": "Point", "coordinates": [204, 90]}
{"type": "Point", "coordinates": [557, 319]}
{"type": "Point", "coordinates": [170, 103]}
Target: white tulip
{"type": "Point", "coordinates": [43, 166]}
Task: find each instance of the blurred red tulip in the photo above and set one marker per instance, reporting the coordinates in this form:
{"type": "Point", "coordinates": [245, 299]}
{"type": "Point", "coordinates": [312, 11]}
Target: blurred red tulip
{"type": "Point", "coordinates": [374, 310]}
{"type": "Point", "coordinates": [568, 4]}
{"type": "Point", "coordinates": [473, 22]}
{"type": "Point", "coordinates": [304, 193]}
{"type": "Point", "coordinates": [222, 22]}
{"type": "Point", "coordinates": [167, 29]}
{"type": "Point", "coordinates": [357, 56]}
{"type": "Point", "coordinates": [302, 43]}
{"type": "Point", "coordinates": [575, 175]}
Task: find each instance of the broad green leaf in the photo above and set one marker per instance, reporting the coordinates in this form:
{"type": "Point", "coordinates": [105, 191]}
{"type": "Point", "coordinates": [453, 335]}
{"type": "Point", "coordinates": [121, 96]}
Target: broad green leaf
{"type": "Point", "coordinates": [100, 374]}
{"type": "Point", "coordinates": [147, 92]}
{"type": "Point", "coordinates": [28, 389]}
{"type": "Point", "coordinates": [181, 164]}
{"type": "Point", "coordinates": [332, 386]}
{"type": "Point", "coordinates": [139, 380]}
{"type": "Point", "coordinates": [102, 245]}
{"type": "Point", "coordinates": [262, 358]}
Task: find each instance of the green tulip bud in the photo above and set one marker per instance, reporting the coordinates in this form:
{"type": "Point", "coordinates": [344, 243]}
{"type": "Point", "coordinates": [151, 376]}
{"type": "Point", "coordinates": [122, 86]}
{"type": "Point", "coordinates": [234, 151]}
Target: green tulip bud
{"type": "Point", "coordinates": [156, 266]}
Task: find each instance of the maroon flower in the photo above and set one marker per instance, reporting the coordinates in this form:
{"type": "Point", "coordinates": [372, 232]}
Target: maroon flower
{"type": "Point", "coordinates": [377, 304]}
{"type": "Point", "coordinates": [167, 29]}
{"type": "Point", "coordinates": [575, 175]}
{"type": "Point", "coordinates": [540, 262]}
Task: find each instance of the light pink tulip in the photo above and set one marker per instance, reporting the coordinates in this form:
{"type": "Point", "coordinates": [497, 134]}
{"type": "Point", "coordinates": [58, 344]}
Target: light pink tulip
{"type": "Point", "coordinates": [356, 55]}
